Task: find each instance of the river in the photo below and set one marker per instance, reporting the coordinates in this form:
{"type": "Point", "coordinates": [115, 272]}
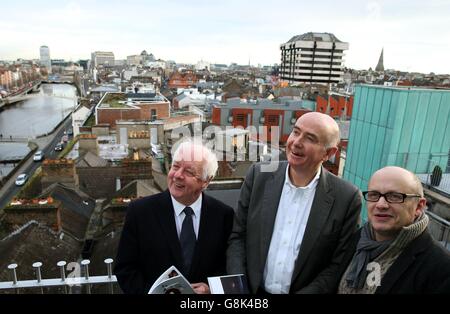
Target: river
{"type": "Point", "coordinates": [39, 114]}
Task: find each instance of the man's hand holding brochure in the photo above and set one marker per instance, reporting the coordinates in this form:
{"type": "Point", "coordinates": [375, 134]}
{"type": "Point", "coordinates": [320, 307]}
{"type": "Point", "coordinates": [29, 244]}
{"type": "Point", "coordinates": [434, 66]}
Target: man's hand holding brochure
{"type": "Point", "coordinates": [171, 281]}
{"type": "Point", "coordinates": [230, 284]}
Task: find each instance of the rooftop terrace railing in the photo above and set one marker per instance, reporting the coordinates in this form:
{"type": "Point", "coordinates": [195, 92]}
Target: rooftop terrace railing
{"type": "Point", "coordinates": [433, 169]}
{"type": "Point", "coordinates": [439, 229]}
{"type": "Point", "coordinates": [66, 282]}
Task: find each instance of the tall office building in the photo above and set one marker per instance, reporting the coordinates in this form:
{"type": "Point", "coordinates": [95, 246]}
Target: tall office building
{"type": "Point", "coordinates": [102, 58]}
{"type": "Point", "coordinates": [313, 58]}
{"type": "Point", "coordinates": [45, 58]}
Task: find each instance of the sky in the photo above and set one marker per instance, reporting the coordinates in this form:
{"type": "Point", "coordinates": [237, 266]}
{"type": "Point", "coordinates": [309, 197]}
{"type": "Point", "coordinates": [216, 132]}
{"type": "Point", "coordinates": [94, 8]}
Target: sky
{"type": "Point", "coordinates": [415, 34]}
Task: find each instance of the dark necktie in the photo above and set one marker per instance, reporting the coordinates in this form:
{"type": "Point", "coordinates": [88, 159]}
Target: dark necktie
{"type": "Point", "coordinates": [187, 239]}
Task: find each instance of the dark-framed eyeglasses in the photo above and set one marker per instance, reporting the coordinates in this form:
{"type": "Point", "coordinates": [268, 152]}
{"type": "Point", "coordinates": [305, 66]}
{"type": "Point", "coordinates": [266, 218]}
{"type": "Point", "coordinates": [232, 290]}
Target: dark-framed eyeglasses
{"type": "Point", "coordinates": [390, 197]}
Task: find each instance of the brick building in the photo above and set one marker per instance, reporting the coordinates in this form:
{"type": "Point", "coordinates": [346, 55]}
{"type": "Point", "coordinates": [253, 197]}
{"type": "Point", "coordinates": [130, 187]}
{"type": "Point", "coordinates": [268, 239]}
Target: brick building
{"type": "Point", "coordinates": [234, 88]}
{"type": "Point", "coordinates": [182, 80]}
{"type": "Point", "coordinates": [101, 179]}
{"type": "Point", "coordinates": [58, 171]}
{"type": "Point", "coordinates": [45, 211]}
{"type": "Point", "coordinates": [337, 106]}
{"type": "Point", "coordinates": [283, 113]}
{"type": "Point", "coordinates": [121, 106]}
{"type": "Point", "coordinates": [263, 112]}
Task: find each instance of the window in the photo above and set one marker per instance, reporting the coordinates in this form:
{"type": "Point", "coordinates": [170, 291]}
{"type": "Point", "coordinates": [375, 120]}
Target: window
{"type": "Point", "coordinates": [240, 117]}
{"type": "Point", "coordinates": [272, 120]}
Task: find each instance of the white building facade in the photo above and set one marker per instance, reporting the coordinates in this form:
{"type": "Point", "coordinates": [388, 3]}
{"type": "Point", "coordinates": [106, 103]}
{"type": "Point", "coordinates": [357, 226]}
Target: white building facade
{"type": "Point", "coordinates": [79, 117]}
{"type": "Point", "coordinates": [102, 58]}
{"type": "Point", "coordinates": [202, 65]}
{"type": "Point", "coordinates": [134, 60]}
{"type": "Point", "coordinates": [45, 58]}
{"type": "Point", "coordinates": [314, 58]}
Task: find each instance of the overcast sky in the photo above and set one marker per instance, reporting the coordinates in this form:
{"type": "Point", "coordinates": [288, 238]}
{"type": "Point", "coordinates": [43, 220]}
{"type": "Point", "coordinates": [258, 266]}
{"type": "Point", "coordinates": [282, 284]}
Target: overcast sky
{"type": "Point", "coordinates": [415, 34]}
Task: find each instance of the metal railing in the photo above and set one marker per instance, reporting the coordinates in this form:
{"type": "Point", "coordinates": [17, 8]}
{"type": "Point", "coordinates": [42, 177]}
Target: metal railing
{"type": "Point", "coordinates": [67, 282]}
{"type": "Point", "coordinates": [439, 229]}
{"type": "Point", "coordinates": [423, 164]}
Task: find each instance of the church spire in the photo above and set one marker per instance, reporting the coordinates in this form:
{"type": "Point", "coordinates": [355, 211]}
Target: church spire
{"type": "Point", "coordinates": [380, 66]}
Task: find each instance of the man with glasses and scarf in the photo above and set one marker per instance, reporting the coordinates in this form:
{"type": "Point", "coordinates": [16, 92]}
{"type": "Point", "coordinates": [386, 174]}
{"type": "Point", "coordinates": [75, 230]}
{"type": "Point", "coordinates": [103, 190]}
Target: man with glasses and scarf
{"type": "Point", "coordinates": [393, 252]}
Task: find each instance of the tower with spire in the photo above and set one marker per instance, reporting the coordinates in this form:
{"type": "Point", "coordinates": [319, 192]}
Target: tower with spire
{"type": "Point", "coordinates": [380, 66]}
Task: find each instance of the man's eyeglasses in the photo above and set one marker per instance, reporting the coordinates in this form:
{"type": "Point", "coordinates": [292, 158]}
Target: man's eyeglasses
{"type": "Point", "coordinates": [390, 197]}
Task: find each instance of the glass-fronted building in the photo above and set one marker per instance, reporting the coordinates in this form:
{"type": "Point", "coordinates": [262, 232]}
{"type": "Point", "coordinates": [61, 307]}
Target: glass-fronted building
{"type": "Point", "coordinates": [407, 127]}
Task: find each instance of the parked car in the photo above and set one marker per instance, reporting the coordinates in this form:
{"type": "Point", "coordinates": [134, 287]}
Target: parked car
{"type": "Point", "coordinates": [38, 156]}
{"type": "Point", "coordinates": [21, 179]}
{"type": "Point", "coordinates": [59, 147]}
{"type": "Point", "coordinates": [70, 132]}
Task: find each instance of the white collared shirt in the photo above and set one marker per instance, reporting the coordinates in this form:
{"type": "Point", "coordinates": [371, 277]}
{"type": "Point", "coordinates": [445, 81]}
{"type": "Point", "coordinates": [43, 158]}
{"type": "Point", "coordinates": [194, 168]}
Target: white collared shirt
{"type": "Point", "coordinates": [179, 214]}
{"type": "Point", "coordinates": [290, 224]}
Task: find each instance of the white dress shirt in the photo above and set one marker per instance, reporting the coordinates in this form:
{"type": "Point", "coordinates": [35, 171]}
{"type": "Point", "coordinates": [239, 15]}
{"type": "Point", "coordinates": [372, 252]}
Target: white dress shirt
{"type": "Point", "coordinates": [290, 224]}
{"type": "Point", "coordinates": [179, 214]}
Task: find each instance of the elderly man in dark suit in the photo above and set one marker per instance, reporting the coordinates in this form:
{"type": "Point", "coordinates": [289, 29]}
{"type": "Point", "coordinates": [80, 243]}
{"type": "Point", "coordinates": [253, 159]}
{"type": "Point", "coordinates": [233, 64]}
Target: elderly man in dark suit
{"type": "Point", "coordinates": [393, 252]}
{"type": "Point", "coordinates": [293, 225]}
{"type": "Point", "coordinates": [181, 226]}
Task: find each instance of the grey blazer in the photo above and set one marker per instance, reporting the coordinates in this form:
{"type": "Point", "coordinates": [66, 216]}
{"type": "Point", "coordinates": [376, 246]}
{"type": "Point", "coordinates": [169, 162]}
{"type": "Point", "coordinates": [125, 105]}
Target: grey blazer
{"type": "Point", "coordinates": [333, 219]}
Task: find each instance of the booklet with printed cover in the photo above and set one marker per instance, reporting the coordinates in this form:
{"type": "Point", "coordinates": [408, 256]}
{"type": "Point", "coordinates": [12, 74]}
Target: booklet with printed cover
{"type": "Point", "coordinates": [171, 281]}
{"type": "Point", "coordinates": [230, 284]}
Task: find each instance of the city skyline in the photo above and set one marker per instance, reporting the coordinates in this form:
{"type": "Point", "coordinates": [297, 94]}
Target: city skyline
{"type": "Point", "coordinates": [415, 38]}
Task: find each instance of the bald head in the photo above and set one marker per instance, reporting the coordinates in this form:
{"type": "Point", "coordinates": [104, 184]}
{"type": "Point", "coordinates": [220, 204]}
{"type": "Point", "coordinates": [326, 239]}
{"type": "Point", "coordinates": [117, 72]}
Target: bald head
{"type": "Point", "coordinates": [329, 127]}
{"type": "Point", "coordinates": [404, 178]}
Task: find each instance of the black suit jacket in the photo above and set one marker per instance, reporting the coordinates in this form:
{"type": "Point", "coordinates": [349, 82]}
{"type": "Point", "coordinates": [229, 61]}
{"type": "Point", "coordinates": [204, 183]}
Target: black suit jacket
{"type": "Point", "coordinates": [149, 243]}
{"type": "Point", "coordinates": [422, 267]}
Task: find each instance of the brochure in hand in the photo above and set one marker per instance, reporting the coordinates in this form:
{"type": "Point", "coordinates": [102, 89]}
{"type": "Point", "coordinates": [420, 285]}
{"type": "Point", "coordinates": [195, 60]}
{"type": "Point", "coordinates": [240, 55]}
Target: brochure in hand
{"type": "Point", "coordinates": [230, 284]}
{"type": "Point", "coordinates": [171, 281]}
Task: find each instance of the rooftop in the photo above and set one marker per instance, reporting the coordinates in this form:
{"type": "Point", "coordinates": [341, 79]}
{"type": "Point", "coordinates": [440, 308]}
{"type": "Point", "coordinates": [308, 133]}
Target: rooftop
{"type": "Point", "coordinates": [72, 199]}
{"type": "Point", "coordinates": [138, 188]}
{"type": "Point", "coordinates": [285, 103]}
{"type": "Point", "coordinates": [409, 88]}
{"type": "Point", "coordinates": [91, 160]}
{"type": "Point", "coordinates": [123, 100]}
{"type": "Point", "coordinates": [315, 37]}
{"type": "Point", "coordinates": [227, 196]}
{"type": "Point", "coordinates": [104, 89]}
{"type": "Point", "coordinates": [233, 132]}
{"type": "Point", "coordinates": [35, 242]}
{"type": "Point", "coordinates": [114, 100]}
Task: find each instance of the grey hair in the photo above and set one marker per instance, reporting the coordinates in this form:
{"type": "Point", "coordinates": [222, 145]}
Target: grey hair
{"type": "Point", "coordinates": [200, 153]}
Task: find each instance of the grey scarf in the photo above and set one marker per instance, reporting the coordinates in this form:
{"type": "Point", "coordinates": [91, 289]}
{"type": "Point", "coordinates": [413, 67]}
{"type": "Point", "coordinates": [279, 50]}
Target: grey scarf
{"type": "Point", "coordinates": [366, 250]}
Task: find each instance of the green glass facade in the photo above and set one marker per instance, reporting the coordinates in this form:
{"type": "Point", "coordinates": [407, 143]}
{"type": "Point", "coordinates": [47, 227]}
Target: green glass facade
{"type": "Point", "coordinates": [310, 104]}
{"type": "Point", "coordinates": [406, 127]}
